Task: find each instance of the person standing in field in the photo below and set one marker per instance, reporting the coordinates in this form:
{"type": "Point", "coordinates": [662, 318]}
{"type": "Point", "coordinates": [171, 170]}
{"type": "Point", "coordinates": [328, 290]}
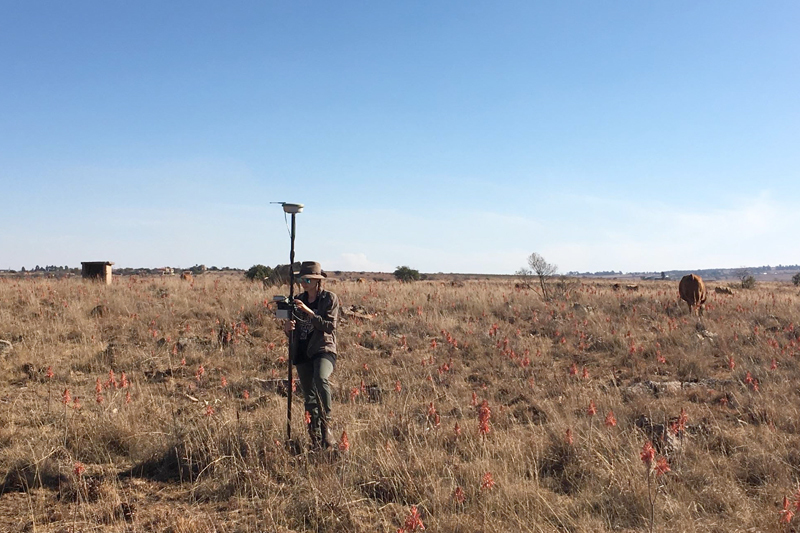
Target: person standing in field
{"type": "Point", "coordinates": [313, 335]}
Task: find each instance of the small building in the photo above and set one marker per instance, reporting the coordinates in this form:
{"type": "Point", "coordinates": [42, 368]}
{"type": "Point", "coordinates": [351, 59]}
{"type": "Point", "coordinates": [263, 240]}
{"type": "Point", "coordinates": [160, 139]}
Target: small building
{"type": "Point", "coordinates": [98, 270]}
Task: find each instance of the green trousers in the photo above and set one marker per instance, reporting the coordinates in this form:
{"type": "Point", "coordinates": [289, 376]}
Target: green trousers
{"type": "Point", "coordinates": [314, 376]}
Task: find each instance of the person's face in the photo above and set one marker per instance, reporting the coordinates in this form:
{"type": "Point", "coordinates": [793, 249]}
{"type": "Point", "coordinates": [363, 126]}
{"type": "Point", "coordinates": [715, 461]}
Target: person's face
{"type": "Point", "coordinates": [309, 284]}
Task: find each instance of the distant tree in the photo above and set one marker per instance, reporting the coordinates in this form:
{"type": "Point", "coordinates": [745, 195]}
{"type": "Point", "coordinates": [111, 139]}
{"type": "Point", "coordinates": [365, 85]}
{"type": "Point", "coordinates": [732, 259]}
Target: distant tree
{"type": "Point", "coordinates": [543, 271]}
{"type": "Point", "coordinates": [197, 269]}
{"type": "Point", "coordinates": [406, 274]}
{"type": "Point", "coordinates": [747, 279]}
{"type": "Point", "coordinates": [796, 279]}
{"type": "Point", "coordinates": [524, 273]}
{"type": "Point", "coordinates": [258, 272]}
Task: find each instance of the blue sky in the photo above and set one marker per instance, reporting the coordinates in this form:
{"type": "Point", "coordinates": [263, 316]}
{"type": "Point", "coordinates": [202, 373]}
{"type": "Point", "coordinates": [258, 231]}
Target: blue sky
{"type": "Point", "coordinates": [447, 136]}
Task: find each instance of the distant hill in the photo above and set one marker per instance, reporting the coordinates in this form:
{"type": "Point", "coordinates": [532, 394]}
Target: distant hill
{"type": "Point", "coordinates": [761, 273]}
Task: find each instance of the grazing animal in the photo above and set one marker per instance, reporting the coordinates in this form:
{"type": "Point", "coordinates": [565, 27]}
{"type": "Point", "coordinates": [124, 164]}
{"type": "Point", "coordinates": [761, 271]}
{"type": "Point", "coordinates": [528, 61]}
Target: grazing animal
{"type": "Point", "coordinates": [361, 280]}
{"type": "Point", "coordinates": [693, 292]}
{"type": "Point", "coordinates": [632, 287]}
{"type": "Point", "coordinates": [723, 290]}
{"type": "Point", "coordinates": [186, 275]}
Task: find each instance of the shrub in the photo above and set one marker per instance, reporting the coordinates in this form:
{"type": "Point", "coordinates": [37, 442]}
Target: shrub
{"type": "Point", "coordinates": [258, 272]}
{"type": "Point", "coordinates": [796, 279]}
{"type": "Point", "coordinates": [197, 269]}
{"type": "Point", "coordinates": [542, 269]}
{"type": "Point", "coordinates": [748, 282]}
{"type": "Point", "coordinates": [406, 274]}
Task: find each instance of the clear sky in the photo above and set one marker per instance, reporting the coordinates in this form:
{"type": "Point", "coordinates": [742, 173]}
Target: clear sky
{"type": "Point", "coordinates": [446, 136]}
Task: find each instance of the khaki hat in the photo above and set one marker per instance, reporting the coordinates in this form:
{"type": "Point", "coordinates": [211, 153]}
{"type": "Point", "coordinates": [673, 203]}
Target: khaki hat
{"type": "Point", "coordinates": [311, 270]}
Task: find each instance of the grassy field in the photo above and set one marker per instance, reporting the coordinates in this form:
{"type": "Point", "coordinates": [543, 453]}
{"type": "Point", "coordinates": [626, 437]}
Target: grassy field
{"type": "Point", "coordinates": [471, 406]}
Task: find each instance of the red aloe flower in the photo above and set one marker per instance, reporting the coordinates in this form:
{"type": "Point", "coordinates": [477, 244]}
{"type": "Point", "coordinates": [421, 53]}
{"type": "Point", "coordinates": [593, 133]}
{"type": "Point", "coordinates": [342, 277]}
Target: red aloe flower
{"type": "Point", "coordinates": [786, 514]}
{"type": "Point", "coordinates": [487, 482]}
{"type": "Point", "coordinates": [112, 380]}
{"type": "Point", "coordinates": [78, 469]}
{"type": "Point", "coordinates": [610, 420]}
{"type": "Point", "coordinates": [591, 410]}
{"type": "Point", "coordinates": [431, 410]}
{"type": "Point", "coordinates": [458, 495]}
{"type": "Point", "coordinates": [98, 388]}
{"type": "Point", "coordinates": [484, 413]}
{"type": "Point", "coordinates": [648, 453]}
{"type": "Point", "coordinates": [65, 397]}
{"type": "Point", "coordinates": [413, 521]}
{"type": "Point", "coordinates": [568, 437]}
{"type": "Point", "coordinates": [662, 466]}
{"type": "Point", "coordinates": [344, 442]}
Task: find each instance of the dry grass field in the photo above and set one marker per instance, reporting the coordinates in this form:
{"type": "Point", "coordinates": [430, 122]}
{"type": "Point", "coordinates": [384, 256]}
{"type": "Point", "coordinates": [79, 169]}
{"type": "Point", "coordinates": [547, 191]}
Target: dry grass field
{"type": "Point", "coordinates": [467, 407]}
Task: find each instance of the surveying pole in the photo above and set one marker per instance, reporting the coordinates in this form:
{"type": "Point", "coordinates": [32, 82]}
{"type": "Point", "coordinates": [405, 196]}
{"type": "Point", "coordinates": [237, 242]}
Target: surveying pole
{"type": "Point", "coordinates": [291, 209]}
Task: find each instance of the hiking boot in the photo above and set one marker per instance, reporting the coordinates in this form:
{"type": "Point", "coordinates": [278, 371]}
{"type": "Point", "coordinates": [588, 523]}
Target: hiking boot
{"type": "Point", "coordinates": [314, 435]}
{"type": "Point", "coordinates": [328, 440]}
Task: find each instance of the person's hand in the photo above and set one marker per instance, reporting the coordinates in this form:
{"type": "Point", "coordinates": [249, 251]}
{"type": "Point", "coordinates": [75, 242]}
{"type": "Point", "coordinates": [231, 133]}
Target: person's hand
{"type": "Point", "coordinates": [303, 307]}
{"type": "Point", "coordinates": [288, 326]}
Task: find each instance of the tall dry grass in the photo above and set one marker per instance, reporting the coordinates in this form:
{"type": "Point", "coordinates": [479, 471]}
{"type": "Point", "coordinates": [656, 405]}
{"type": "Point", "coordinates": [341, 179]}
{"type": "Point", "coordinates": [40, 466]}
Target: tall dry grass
{"type": "Point", "coordinates": [182, 450]}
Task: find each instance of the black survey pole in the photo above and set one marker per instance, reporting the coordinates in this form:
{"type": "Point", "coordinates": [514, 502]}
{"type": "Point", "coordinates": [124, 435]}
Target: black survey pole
{"type": "Point", "coordinates": [291, 209]}
{"type": "Point", "coordinates": [291, 338]}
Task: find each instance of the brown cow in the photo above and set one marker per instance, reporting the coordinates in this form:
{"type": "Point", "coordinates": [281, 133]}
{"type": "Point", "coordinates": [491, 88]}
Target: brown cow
{"type": "Point", "coordinates": [693, 292]}
{"type": "Point", "coordinates": [186, 275]}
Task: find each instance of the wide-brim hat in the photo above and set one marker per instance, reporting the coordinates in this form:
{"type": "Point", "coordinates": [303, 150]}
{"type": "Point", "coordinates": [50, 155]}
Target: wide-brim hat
{"type": "Point", "coordinates": [311, 270]}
